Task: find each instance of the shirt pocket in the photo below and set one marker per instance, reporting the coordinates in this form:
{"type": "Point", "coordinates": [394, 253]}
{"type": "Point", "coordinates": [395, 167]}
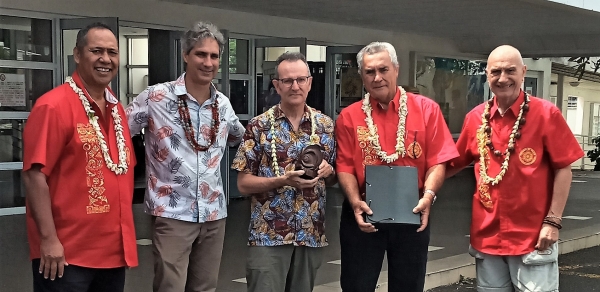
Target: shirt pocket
{"type": "Point", "coordinates": [541, 257]}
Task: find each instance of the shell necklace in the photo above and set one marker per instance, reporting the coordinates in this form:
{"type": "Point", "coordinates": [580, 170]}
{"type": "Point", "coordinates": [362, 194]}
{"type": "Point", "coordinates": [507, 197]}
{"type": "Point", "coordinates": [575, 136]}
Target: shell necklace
{"type": "Point", "coordinates": [400, 151]}
{"type": "Point", "coordinates": [314, 138]}
{"type": "Point", "coordinates": [120, 168]}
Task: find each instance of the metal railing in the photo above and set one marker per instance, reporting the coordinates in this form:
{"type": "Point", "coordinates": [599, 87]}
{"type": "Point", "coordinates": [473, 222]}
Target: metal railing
{"type": "Point", "coordinates": [585, 141]}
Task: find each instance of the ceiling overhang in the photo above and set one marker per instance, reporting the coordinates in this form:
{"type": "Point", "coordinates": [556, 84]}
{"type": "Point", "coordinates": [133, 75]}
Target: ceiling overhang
{"type": "Point", "coordinates": [539, 28]}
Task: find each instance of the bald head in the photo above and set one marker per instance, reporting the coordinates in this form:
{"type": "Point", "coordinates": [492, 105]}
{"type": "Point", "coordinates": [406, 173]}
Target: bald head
{"type": "Point", "coordinates": [506, 52]}
{"type": "Point", "coordinates": [505, 73]}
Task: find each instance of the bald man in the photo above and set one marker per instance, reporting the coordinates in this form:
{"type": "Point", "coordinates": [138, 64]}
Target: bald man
{"type": "Point", "coordinates": [523, 150]}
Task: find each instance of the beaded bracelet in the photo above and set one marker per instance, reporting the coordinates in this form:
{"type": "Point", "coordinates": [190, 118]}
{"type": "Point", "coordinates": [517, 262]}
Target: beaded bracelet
{"type": "Point", "coordinates": [551, 223]}
{"type": "Point", "coordinates": [555, 217]}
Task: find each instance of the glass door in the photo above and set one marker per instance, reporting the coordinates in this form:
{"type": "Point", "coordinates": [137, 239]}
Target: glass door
{"type": "Point", "coordinates": [343, 84]}
{"type": "Point", "coordinates": [267, 51]}
{"type": "Point", "coordinates": [27, 70]}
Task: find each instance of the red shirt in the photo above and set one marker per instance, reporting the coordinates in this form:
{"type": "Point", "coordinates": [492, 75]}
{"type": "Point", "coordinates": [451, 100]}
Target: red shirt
{"type": "Point", "coordinates": [427, 140]}
{"type": "Point", "coordinates": [522, 199]}
{"type": "Point", "coordinates": [91, 205]}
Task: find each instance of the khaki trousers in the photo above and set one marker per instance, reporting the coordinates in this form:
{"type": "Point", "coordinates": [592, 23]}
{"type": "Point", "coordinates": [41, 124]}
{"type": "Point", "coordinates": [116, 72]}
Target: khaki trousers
{"type": "Point", "coordinates": [284, 268]}
{"type": "Point", "coordinates": [187, 255]}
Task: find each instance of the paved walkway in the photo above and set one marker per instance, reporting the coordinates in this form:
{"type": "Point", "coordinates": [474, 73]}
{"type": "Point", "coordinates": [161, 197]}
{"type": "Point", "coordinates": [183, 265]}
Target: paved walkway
{"type": "Point", "coordinates": [448, 260]}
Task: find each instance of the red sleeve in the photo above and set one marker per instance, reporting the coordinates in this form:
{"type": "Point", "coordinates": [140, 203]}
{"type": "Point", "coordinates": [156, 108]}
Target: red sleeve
{"type": "Point", "coordinates": [345, 136]}
{"type": "Point", "coordinates": [559, 142]}
{"type": "Point", "coordinates": [43, 138]}
{"type": "Point", "coordinates": [440, 145]}
{"type": "Point", "coordinates": [462, 145]}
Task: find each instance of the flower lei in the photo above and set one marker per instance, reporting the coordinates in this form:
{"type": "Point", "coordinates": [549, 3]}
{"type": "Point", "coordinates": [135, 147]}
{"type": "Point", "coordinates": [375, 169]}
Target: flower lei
{"type": "Point", "coordinates": [184, 112]}
{"type": "Point", "coordinates": [314, 138]}
{"type": "Point", "coordinates": [121, 168]}
{"type": "Point", "coordinates": [484, 142]}
{"type": "Point", "coordinates": [374, 137]}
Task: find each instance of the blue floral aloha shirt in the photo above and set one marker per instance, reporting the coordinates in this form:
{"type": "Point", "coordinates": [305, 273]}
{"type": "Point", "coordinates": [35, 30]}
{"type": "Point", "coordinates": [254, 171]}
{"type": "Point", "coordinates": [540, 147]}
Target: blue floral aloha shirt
{"type": "Point", "coordinates": [285, 215]}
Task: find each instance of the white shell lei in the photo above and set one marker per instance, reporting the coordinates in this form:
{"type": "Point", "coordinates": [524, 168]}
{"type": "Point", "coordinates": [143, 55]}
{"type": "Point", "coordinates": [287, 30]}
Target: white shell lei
{"type": "Point", "coordinates": [314, 138]}
{"type": "Point", "coordinates": [121, 168]}
{"type": "Point", "coordinates": [374, 137]}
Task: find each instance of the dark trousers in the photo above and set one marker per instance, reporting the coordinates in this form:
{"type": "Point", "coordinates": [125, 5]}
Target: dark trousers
{"type": "Point", "coordinates": [79, 279]}
{"type": "Point", "coordinates": [362, 255]}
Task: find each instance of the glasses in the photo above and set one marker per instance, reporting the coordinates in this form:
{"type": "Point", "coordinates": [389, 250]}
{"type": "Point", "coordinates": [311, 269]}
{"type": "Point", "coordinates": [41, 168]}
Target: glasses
{"type": "Point", "coordinates": [288, 82]}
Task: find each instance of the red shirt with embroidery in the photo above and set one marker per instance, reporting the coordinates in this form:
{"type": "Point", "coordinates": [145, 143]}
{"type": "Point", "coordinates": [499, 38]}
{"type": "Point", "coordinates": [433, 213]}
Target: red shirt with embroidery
{"type": "Point", "coordinates": [91, 205]}
{"type": "Point", "coordinates": [427, 140]}
{"type": "Point", "coordinates": [522, 199]}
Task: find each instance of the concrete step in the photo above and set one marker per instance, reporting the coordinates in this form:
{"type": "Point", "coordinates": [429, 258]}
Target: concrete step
{"type": "Point", "coordinates": [449, 270]}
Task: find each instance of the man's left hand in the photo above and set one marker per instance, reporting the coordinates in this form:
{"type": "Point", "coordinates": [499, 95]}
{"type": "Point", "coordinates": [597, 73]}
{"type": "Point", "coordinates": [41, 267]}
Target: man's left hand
{"type": "Point", "coordinates": [548, 236]}
{"type": "Point", "coordinates": [423, 207]}
{"type": "Point", "coordinates": [325, 169]}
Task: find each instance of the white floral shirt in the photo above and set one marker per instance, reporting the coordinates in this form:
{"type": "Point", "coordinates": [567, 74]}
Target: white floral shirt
{"type": "Point", "coordinates": [181, 183]}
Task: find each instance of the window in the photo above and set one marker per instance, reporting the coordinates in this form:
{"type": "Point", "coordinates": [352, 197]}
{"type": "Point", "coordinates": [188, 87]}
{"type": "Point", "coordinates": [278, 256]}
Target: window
{"type": "Point", "coordinates": [20, 88]}
{"type": "Point", "coordinates": [26, 73]}
{"type": "Point", "coordinates": [572, 102]}
{"type": "Point", "coordinates": [595, 119]}
{"type": "Point", "coordinates": [137, 65]}
{"type": "Point", "coordinates": [25, 39]}
{"type": "Point", "coordinates": [457, 85]}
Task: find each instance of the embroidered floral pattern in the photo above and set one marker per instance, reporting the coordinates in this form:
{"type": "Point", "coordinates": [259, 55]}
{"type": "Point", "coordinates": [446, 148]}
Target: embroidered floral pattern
{"type": "Point", "coordinates": [98, 203]}
{"type": "Point", "coordinates": [120, 168]}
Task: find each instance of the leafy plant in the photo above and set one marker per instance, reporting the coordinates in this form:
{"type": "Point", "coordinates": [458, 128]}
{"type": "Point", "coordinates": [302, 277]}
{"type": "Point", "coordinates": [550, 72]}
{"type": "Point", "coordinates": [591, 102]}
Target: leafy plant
{"type": "Point", "coordinates": [582, 63]}
{"type": "Point", "coordinates": [594, 154]}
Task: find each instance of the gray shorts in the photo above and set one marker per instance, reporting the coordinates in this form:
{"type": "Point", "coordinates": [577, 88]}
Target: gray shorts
{"type": "Point", "coordinates": [536, 271]}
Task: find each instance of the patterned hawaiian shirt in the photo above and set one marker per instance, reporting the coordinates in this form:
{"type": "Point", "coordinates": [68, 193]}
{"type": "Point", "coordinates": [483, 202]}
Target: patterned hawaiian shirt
{"type": "Point", "coordinates": [182, 183]}
{"type": "Point", "coordinates": [285, 215]}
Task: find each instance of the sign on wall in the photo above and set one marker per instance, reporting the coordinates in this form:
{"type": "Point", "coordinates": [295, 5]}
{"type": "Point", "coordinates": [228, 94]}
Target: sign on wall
{"type": "Point", "coordinates": [12, 89]}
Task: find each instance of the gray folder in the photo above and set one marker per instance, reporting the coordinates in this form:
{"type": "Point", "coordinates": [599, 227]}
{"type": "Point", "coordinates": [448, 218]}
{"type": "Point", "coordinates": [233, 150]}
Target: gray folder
{"type": "Point", "coordinates": [392, 193]}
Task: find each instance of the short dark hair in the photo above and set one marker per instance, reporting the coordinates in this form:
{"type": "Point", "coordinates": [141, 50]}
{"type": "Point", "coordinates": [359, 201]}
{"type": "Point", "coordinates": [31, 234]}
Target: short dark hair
{"type": "Point", "coordinates": [199, 31]}
{"type": "Point", "coordinates": [290, 57]}
{"type": "Point", "coordinates": [82, 34]}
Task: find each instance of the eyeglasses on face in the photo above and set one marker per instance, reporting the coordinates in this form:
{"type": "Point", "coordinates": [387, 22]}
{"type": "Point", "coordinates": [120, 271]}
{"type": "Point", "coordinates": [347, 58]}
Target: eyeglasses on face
{"type": "Point", "coordinates": [288, 82]}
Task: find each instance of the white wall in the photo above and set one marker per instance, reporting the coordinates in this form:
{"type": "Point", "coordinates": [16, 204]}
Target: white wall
{"type": "Point", "coordinates": [587, 92]}
{"type": "Point", "coordinates": [544, 66]}
{"type": "Point", "coordinates": [182, 15]}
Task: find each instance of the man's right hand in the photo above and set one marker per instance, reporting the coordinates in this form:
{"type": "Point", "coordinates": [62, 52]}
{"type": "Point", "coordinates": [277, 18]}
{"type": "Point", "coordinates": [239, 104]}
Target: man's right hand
{"type": "Point", "coordinates": [293, 178]}
{"type": "Point", "coordinates": [360, 208]}
{"type": "Point", "coordinates": [52, 261]}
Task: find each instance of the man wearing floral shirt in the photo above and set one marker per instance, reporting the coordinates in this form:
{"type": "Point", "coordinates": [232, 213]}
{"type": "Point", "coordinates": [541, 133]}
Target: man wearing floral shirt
{"type": "Point", "coordinates": [187, 123]}
{"type": "Point", "coordinates": [287, 224]}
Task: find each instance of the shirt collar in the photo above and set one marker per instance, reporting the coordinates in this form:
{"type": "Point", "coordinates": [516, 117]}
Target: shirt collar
{"type": "Point", "coordinates": [108, 95]}
{"type": "Point", "coordinates": [394, 103]}
{"type": "Point", "coordinates": [279, 114]}
{"type": "Point", "coordinates": [180, 89]}
{"type": "Point", "coordinates": [514, 108]}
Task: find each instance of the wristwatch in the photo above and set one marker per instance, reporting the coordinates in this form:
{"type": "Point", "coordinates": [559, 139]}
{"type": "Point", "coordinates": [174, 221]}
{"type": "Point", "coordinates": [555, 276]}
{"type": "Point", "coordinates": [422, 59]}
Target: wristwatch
{"type": "Point", "coordinates": [431, 192]}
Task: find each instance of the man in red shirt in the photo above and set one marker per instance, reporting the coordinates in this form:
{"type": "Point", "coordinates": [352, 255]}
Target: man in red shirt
{"type": "Point", "coordinates": [523, 150]}
{"type": "Point", "coordinates": [388, 127]}
{"type": "Point", "coordinates": [78, 174]}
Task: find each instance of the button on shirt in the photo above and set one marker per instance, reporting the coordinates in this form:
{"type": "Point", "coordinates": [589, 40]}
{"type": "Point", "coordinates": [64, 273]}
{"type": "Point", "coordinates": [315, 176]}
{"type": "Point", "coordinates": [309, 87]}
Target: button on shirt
{"type": "Point", "coordinates": [285, 215]}
{"type": "Point", "coordinates": [181, 183]}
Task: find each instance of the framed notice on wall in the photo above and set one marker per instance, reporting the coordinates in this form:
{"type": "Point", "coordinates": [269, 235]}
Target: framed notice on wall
{"type": "Point", "coordinates": [12, 89]}
{"type": "Point", "coordinates": [351, 87]}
